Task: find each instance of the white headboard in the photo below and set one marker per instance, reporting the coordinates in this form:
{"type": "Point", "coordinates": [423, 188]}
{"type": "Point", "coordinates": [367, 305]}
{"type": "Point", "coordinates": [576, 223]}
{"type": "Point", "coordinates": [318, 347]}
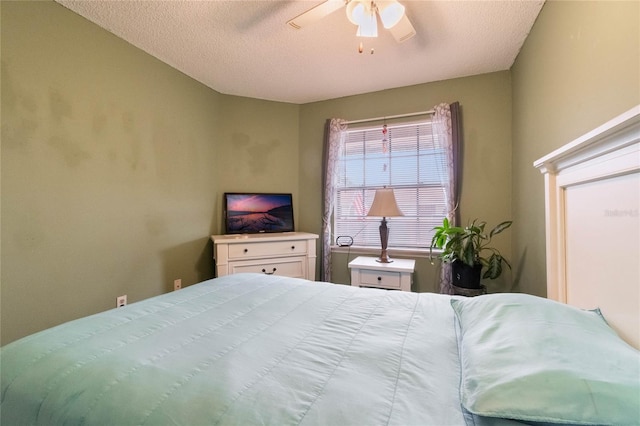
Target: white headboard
{"type": "Point", "coordinates": [592, 198]}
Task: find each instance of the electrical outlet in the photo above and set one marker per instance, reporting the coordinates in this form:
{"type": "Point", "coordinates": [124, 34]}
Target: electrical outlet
{"type": "Point", "coordinates": [177, 284]}
{"type": "Point", "coordinates": [121, 301]}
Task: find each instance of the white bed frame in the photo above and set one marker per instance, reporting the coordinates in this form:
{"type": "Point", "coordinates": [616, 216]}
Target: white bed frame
{"type": "Point", "coordinates": [592, 193]}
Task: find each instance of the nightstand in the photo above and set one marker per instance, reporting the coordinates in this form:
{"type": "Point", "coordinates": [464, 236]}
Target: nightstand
{"type": "Point", "coordinates": [367, 272]}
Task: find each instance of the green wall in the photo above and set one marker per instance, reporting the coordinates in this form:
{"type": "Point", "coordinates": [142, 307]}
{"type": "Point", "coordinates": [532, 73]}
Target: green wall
{"type": "Point", "coordinates": [259, 145]}
{"type": "Point", "coordinates": [108, 170]}
{"type": "Point", "coordinates": [579, 68]}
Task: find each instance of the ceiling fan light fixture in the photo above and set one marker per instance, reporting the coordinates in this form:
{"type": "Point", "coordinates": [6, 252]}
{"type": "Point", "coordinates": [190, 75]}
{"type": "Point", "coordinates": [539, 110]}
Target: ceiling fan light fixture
{"type": "Point", "coordinates": [364, 14]}
{"type": "Point", "coordinates": [391, 12]}
{"type": "Point", "coordinates": [368, 27]}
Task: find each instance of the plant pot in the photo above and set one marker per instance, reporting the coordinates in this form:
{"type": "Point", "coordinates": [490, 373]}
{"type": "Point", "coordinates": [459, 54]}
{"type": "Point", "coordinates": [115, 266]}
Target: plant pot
{"type": "Point", "coordinates": [466, 276]}
{"type": "Point", "coordinates": [469, 292]}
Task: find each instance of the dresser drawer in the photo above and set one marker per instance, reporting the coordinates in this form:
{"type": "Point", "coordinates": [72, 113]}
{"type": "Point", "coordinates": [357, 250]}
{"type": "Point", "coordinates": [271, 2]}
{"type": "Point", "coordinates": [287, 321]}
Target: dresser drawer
{"type": "Point", "coordinates": [270, 249]}
{"type": "Point", "coordinates": [287, 267]}
{"type": "Point", "coordinates": [383, 279]}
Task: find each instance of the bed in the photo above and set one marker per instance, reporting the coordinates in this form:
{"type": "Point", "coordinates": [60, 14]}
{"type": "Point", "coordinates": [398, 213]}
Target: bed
{"type": "Point", "coordinates": [252, 349]}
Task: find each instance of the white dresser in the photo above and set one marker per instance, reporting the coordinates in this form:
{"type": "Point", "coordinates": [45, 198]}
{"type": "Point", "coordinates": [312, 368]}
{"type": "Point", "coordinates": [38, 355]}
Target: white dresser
{"type": "Point", "coordinates": [290, 254]}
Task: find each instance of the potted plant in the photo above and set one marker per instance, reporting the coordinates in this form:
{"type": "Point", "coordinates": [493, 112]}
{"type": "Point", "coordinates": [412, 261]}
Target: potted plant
{"type": "Point", "coordinates": [468, 250]}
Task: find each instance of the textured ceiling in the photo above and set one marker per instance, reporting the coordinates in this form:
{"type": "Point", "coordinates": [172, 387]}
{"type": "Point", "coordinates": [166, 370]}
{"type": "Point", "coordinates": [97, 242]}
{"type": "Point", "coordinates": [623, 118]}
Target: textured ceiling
{"type": "Point", "coordinates": [245, 48]}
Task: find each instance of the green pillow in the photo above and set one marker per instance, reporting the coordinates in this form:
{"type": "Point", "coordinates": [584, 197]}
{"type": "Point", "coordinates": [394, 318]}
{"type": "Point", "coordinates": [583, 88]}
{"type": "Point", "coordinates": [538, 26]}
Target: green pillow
{"type": "Point", "coordinates": [528, 358]}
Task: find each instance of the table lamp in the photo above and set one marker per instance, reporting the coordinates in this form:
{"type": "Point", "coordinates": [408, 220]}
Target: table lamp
{"type": "Point", "coordinates": [384, 204]}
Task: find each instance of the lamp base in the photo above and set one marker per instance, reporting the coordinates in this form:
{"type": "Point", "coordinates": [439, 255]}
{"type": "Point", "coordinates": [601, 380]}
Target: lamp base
{"type": "Point", "coordinates": [384, 237]}
{"type": "Point", "coordinates": [384, 257]}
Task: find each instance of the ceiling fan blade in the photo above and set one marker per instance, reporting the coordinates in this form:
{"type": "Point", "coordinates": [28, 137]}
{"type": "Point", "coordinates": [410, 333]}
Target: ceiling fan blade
{"type": "Point", "coordinates": [403, 30]}
{"type": "Point", "coordinates": [316, 13]}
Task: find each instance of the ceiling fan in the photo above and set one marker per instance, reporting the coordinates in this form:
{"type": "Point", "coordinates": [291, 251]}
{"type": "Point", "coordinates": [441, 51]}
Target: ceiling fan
{"type": "Point", "coordinates": [363, 13]}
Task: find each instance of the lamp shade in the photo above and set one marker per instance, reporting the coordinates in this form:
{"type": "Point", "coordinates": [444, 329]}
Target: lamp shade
{"type": "Point", "coordinates": [384, 204]}
{"type": "Point", "coordinates": [361, 13]}
{"type": "Point", "coordinates": [391, 12]}
{"type": "Point", "coordinates": [355, 11]}
{"type": "Point", "coordinates": [369, 27]}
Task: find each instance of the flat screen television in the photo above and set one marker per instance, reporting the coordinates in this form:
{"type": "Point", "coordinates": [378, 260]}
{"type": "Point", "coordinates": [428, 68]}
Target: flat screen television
{"type": "Point", "coordinates": [253, 213]}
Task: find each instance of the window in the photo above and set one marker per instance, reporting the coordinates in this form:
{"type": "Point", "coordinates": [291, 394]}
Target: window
{"type": "Point", "coordinates": [409, 158]}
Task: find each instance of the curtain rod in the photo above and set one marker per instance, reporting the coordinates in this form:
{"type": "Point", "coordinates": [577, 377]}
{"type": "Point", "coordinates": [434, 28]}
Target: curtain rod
{"type": "Point", "coordinates": [411, 114]}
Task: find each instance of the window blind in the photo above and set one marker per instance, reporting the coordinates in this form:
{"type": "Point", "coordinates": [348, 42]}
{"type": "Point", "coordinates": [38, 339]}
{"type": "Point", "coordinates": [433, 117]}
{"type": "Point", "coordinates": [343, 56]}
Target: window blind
{"type": "Point", "coordinates": [407, 157]}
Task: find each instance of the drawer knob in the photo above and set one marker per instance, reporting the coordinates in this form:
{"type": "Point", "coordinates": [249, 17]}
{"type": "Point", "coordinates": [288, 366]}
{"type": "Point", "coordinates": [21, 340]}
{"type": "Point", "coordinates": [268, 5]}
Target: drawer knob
{"type": "Point", "coordinates": [293, 247]}
{"type": "Point", "coordinates": [269, 273]}
{"type": "Point", "coordinates": [246, 250]}
{"type": "Point", "coordinates": [379, 279]}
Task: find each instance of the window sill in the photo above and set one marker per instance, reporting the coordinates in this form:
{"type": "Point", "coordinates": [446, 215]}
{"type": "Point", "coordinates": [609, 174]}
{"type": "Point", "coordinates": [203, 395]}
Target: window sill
{"type": "Point", "coordinates": [393, 252]}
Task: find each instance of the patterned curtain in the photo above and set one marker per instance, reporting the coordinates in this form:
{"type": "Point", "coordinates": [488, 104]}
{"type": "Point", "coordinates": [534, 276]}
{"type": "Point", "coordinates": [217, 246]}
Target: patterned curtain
{"type": "Point", "coordinates": [334, 137]}
{"type": "Point", "coordinates": [446, 123]}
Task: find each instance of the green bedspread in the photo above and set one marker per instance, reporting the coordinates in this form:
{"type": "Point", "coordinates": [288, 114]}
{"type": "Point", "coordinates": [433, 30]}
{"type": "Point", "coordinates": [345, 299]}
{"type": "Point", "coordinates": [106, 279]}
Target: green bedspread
{"type": "Point", "coordinates": [252, 349]}
{"type": "Point", "coordinates": [243, 349]}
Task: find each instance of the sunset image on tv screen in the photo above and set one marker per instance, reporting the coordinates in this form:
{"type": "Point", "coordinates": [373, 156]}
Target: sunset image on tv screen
{"type": "Point", "coordinates": [254, 213]}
